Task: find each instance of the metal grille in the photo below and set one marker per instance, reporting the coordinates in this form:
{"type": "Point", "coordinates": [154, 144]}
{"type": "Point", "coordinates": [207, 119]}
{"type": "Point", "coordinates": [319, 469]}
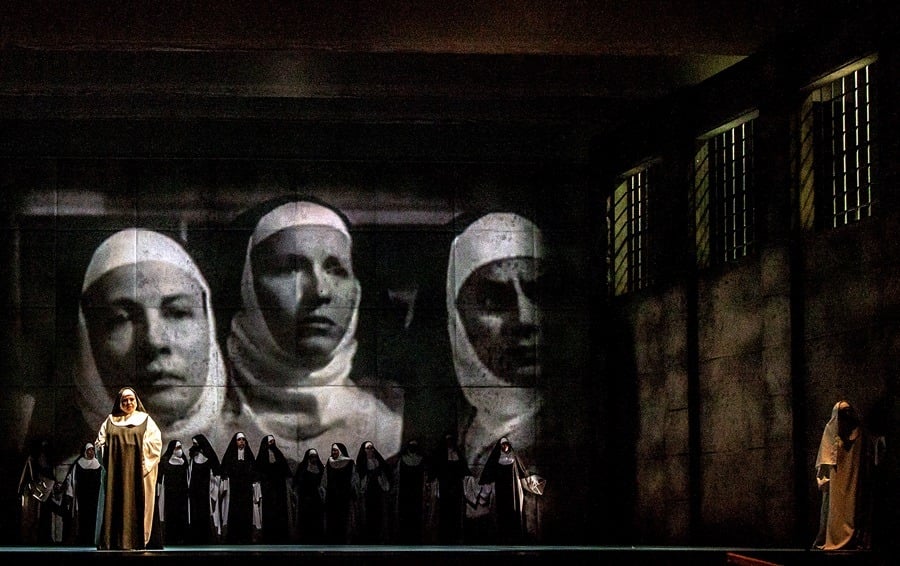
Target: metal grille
{"type": "Point", "coordinates": [628, 233]}
{"type": "Point", "coordinates": [725, 213]}
{"type": "Point", "coordinates": [732, 169]}
{"type": "Point", "coordinates": [844, 132]}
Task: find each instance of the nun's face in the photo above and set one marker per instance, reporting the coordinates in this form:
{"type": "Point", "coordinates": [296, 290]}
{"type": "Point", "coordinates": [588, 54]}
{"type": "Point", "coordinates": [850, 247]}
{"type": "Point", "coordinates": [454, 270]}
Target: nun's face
{"type": "Point", "coordinates": [500, 309]}
{"type": "Point", "coordinates": [847, 420]}
{"type": "Point", "coordinates": [128, 401]}
{"type": "Point", "coordinates": [148, 325]}
{"type": "Point", "coordinates": [306, 289]}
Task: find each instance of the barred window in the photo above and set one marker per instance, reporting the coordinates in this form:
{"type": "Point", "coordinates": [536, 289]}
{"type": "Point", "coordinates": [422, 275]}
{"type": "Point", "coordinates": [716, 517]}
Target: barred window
{"type": "Point", "coordinates": [628, 221]}
{"type": "Point", "coordinates": [723, 197]}
{"type": "Point", "coordinates": [836, 149]}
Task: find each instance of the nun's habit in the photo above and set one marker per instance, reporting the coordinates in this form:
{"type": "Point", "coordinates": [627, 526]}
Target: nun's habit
{"type": "Point", "coordinates": [341, 485]}
{"type": "Point", "coordinates": [844, 467]}
{"type": "Point", "coordinates": [450, 474]}
{"type": "Point", "coordinates": [309, 488]}
{"type": "Point", "coordinates": [275, 392]}
{"type": "Point", "coordinates": [375, 482]}
{"type": "Point", "coordinates": [130, 448]}
{"type": "Point", "coordinates": [84, 488]}
{"type": "Point", "coordinates": [241, 493]}
{"type": "Point", "coordinates": [411, 494]}
{"type": "Point", "coordinates": [131, 247]}
{"type": "Point", "coordinates": [274, 473]}
{"type": "Point", "coordinates": [497, 408]}
{"type": "Point", "coordinates": [204, 518]}
{"type": "Point", "coordinates": [513, 489]}
{"type": "Point", "coordinates": [172, 493]}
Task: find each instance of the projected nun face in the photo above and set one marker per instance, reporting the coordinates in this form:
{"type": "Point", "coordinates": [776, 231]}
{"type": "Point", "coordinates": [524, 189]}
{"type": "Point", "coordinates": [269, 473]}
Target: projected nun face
{"type": "Point", "coordinates": [306, 289]}
{"type": "Point", "coordinates": [147, 326]}
{"type": "Point", "coordinates": [500, 307]}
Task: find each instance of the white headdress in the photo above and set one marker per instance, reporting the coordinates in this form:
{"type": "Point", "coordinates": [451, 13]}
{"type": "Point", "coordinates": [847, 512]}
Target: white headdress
{"type": "Point", "coordinates": [258, 359]}
{"type": "Point", "coordinates": [131, 247]}
{"type": "Point", "coordinates": [502, 409]}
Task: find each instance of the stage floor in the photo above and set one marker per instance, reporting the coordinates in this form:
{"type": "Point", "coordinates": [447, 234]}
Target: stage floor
{"type": "Point", "coordinates": [298, 555]}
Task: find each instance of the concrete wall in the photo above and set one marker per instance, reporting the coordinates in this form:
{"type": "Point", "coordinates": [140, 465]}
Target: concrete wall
{"type": "Point", "coordinates": [738, 367]}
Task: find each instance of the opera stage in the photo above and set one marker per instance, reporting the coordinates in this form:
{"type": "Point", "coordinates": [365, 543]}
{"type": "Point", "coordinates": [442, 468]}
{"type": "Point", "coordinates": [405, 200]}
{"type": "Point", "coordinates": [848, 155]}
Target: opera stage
{"type": "Point", "coordinates": [442, 555]}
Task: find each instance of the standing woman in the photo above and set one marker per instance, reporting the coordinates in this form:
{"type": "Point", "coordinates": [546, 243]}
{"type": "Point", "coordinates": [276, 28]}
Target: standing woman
{"type": "Point", "coordinates": [340, 492]}
{"type": "Point", "coordinates": [84, 486]}
{"type": "Point", "coordinates": [310, 493]}
{"type": "Point", "coordinates": [205, 523]}
{"type": "Point", "coordinates": [274, 474]}
{"type": "Point", "coordinates": [172, 494]}
{"type": "Point", "coordinates": [36, 517]}
{"type": "Point", "coordinates": [240, 492]}
{"type": "Point", "coordinates": [411, 494]}
{"type": "Point", "coordinates": [375, 479]}
{"type": "Point", "coordinates": [516, 511]}
{"type": "Point", "coordinates": [844, 467]}
{"type": "Point", "coordinates": [130, 444]}
{"type": "Point", "coordinates": [450, 471]}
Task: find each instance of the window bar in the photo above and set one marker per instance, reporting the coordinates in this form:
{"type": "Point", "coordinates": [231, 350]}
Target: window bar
{"type": "Point", "coordinates": [842, 148]}
{"type": "Point", "coordinates": [735, 198]}
{"type": "Point", "coordinates": [868, 145]}
{"type": "Point", "coordinates": [856, 148]}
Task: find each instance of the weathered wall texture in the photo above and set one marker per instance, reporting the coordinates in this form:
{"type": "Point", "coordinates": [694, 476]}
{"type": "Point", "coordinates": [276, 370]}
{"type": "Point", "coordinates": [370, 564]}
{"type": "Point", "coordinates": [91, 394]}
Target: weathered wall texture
{"type": "Point", "coordinates": [661, 451]}
{"type": "Point", "coordinates": [736, 386]}
{"type": "Point", "coordinates": [851, 281]}
{"type": "Point", "coordinates": [746, 411]}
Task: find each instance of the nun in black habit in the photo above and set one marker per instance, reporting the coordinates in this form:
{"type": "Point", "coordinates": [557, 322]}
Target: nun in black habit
{"type": "Point", "coordinates": [375, 488]}
{"type": "Point", "coordinates": [84, 487]}
{"type": "Point", "coordinates": [172, 494]}
{"type": "Point", "coordinates": [341, 486]}
{"type": "Point", "coordinates": [241, 492]}
{"type": "Point", "coordinates": [274, 472]}
{"type": "Point", "coordinates": [309, 491]}
{"type": "Point", "coordinates": [515, 505]}
{"type": "Point", "coordinates": [204, 486]}
{"type": "Point", "coordinates": [411, 493]}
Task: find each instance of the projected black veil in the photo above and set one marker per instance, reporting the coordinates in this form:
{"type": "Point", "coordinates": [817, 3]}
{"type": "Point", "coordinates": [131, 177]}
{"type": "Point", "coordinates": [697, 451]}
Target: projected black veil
{"type": "Point", "coordinates": [321, 317]}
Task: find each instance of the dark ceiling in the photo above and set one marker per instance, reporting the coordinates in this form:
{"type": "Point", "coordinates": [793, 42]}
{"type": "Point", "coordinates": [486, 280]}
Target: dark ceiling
{"type": "Point", "coordinates": [566, 70]}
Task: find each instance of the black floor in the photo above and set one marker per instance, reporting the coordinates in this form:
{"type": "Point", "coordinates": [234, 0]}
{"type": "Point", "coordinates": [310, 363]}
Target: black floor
{"type": "Point", "coordinates": [440, 556]}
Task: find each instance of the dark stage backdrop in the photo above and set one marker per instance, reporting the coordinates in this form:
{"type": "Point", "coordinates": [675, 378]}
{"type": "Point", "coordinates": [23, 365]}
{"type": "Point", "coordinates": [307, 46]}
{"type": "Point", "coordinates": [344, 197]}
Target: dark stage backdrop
{"type": "Point", "coordinates": [56, 211]}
